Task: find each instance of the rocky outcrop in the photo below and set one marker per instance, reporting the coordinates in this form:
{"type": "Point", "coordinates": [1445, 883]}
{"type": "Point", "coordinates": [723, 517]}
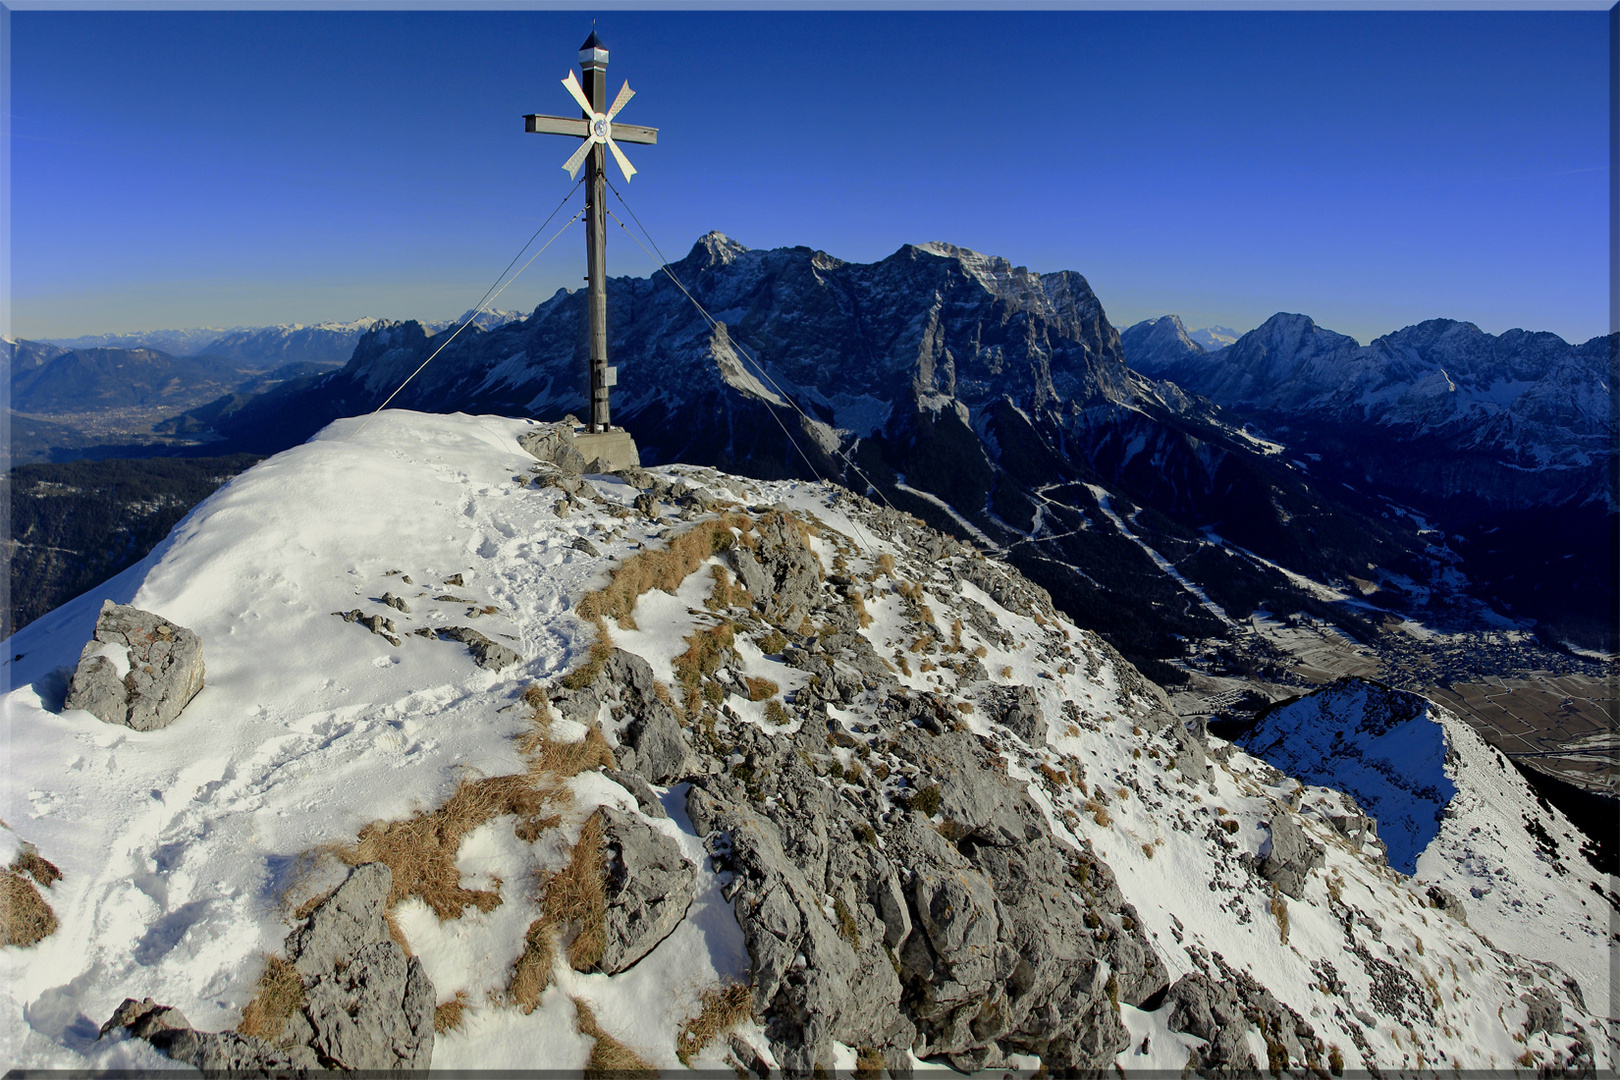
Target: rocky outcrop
{"type": "Point", "coordinates": [140, 670]}
{"type": "Point", "coordinates": [1019, 710]}
{"type": "Point", "coordinates": [782, 573]}
{"type": "Point", "coordinates": [345, 922]}
{"type": "Point", "coordinates": [1224, 1012]}
{"type": "Point", "coordinates": [650, 740]}
{"type": "Point", "coordinates": [966, 938]}
{"type": "Point", "coordinates": [213, 1052]}
{"type": "Point", "coordinates": [554, 444]}
{"type": "Point", "coordinates": [1292, 857]}
{"type": "Point", "coordinates": [485, 653]}
{"type": "Point", "coordinates": [650, 886]}
{"type": "Point", "coordinates": [366, 1006]}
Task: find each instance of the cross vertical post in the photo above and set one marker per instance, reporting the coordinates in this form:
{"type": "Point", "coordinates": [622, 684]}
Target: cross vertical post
{"type": "Point", "coordinates": [602, 135]}
{"type": "Point", "coordinates": [593, 59]}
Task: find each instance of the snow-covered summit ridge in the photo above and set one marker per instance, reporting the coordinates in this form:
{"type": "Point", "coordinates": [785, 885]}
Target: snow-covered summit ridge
{"type": "Point", "coordinates": [176, 843]}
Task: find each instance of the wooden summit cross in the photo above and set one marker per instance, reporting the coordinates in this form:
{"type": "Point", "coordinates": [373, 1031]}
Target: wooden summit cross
{"type": "Point", "coordinates": [601, 134]}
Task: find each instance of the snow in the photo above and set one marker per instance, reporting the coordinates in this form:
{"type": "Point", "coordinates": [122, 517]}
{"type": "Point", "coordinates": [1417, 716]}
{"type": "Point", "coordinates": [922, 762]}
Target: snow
{"type": "Point", "coordinates": [178, 844]}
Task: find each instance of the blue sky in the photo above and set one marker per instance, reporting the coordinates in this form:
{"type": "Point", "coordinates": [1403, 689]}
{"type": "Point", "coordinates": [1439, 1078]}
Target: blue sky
{"type": "Point", "coordinates": [1369, 169]}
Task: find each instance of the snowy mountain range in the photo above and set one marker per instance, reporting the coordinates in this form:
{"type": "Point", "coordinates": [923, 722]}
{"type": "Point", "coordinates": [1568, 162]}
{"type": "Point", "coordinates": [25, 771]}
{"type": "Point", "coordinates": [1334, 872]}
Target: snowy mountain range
{"type": "Point", "coordinates": [882, 784]}
{"type": "Point", "coordinates": [1214, 338]}
{"type": "Point", "coordinates": [1441, 409]}
{"type": "Point", "coordinates": [321, 343]}
{"type": "Point", "coordinates": [991, 401]}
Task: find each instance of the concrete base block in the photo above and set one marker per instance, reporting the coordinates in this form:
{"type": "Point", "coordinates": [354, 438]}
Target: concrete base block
{"type": "Point", "coordinates": [607, 451]}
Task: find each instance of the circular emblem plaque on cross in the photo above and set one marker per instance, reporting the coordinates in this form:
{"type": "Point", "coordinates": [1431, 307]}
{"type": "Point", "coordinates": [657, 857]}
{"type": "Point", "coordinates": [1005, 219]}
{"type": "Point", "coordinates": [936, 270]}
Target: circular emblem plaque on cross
{"type": "Point", "coordinates": [600, 128]}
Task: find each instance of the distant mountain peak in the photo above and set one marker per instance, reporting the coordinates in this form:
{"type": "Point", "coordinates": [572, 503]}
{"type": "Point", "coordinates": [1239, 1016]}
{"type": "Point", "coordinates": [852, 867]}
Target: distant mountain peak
{"type": "Point", "coordinates": [715, 248]}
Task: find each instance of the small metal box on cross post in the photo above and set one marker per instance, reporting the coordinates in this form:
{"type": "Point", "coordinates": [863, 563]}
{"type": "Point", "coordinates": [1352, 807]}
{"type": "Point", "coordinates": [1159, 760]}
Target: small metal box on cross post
{"type": "Point", "coordinates": [601, 133]}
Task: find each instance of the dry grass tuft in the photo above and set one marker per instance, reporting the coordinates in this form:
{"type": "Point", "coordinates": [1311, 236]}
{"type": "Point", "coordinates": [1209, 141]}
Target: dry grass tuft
{"type": "Point", "coordinates": [727, 592]}
{"type": "Point", "coordinates": [776, 714]}
{"type": "Point", "coordinates": [550, 757]}
{"type": "Point", "coordinates": [421, 850]}
{"type": "Point", "coordinates": [723, 1007]}
{"type": "Point", "coordinates": [706, 651]}
{"type": "Point", "coordinates": [609, 1057]}
{"type": "Point", "coordinates": [396, 933]}
{"type": "Point", "coordinates": [886, 563]}
{"type": "Point", "coordinates": [447, 1015]}
{"type": "Point", "coordinates": [869, 1063]}
{"type": "Point", "coordinates": [1098, 812]}
{"type": "Point", "coordinates": [857, 603]}
{"type": "Point", "coordinates": [576, 896]}
{"type": "Point", "coordinates": [595, 660]}
{"type": "Point", "coordinates": [280, 993]}
{"type": "Point", "coordinates": [25, 918]}
{"type": "Point", "coordinates": [1279, 909]}
{"type": "Point", "coordinates": [531, 974]}
{"type": "Point", "coordinates": [760, 689]}
{"type": "Point", "coordinates": [772, 642]}
{"type": "Point", "coordinates": [664, 569]}
{"type": "Point", "coordinates": [36, 866]}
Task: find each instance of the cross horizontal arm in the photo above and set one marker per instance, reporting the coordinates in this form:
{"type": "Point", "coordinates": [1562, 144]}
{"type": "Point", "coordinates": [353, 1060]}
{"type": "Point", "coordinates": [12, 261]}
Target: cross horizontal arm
{"type": "Point", "coordinates": [556, 125]}
{"type": "Point", "coordinates": [634, 133]}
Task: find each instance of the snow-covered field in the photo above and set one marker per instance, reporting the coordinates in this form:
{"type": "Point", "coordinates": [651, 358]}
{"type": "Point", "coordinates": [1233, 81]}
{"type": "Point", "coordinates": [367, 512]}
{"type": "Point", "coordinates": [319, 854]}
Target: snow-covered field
{"type": "Point", "coordinates": [178, 845]}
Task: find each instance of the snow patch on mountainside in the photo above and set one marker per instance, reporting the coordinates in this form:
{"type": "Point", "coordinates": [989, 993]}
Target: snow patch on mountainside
{"type": "Point", "coordinates": [178, 844]}
{"type": "Point", "coordinates": [1454, 812]}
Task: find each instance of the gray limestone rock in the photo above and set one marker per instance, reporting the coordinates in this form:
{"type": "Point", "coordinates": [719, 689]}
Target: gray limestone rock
{"type": "Point", "coordinates": [554, 444]}
{"type": "Point", "coordinates": [1292, 857]}
{"type": "Point", "coordinates": [650, 885]}
{"type": "Point", "coordinates": [366, 1005]}
{"type": "Point", "coordinates": [781, 572]}
{"type": "Point", "coordinates": [485, 653]}
{"type": "Point", "coordinates": [138, 670]}
{"type": "Point", "coordinates": [1192, 745]}
{"type": "Point", "coordinates": [215, 1053]}
{"type": "Point", "coordinates": [1210, 1010]}
{"type": "Point", "coordinates": [395, 602]}
{"type": "Point", "coordinates": [1544, 1013]}
{"type": "Point", "coordinates": [377, 1013]}
{"type": "Point", "coordinates": [1019, 709]}
{"type": "Point", "coordinates": [650, 737]}
{"type": "Point", "coordinates": [646, 798]}
{"type": "Point", "coordinates": [344, 923]}
{"type": "Point", "coordinates": [1448, 902]}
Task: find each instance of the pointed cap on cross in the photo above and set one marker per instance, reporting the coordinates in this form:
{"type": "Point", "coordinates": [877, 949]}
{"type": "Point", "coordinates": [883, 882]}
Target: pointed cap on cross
{"type": "Point", "coordinates": [593, 53]}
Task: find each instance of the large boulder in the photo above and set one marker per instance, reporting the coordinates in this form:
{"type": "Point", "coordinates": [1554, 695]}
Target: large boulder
{"type": "Point", "coordinates": [555, 445]}
{"type": "Point", "coordinates": [139, 669]}
{"type": "Point", "coordinates": [650, 886]}
{"type": "Point", "coordinates": [375, 1014]}
{"type": "Point", "coordinates": [344, 923]}
{"type": "Point", "coordinates": [367, 1006]}
{"type": "Point", "coordinates": [1292, 857]}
